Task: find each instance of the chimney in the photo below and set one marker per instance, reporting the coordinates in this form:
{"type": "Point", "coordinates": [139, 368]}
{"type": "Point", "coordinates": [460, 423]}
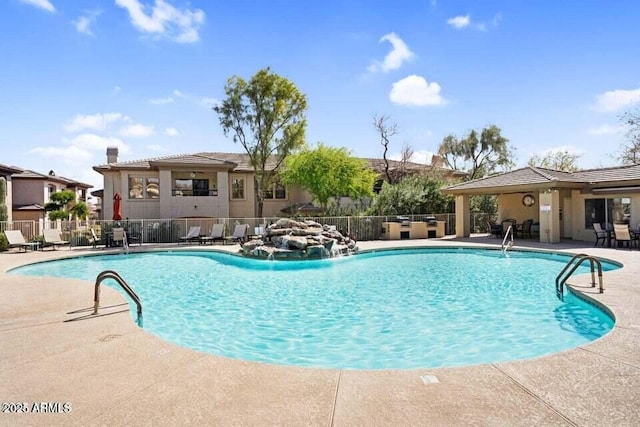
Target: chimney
{"type": "Point", "coordinates": [112, 154]}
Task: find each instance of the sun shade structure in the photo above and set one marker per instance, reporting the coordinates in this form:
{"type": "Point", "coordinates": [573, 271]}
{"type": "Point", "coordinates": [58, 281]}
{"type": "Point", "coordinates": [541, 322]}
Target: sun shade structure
{"type": "Point", "coordinates": [562, 205]}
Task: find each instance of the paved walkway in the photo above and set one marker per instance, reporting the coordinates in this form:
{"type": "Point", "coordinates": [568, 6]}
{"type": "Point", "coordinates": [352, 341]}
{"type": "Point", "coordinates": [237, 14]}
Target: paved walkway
{"type": "Point", "coordinates": [110, 372]}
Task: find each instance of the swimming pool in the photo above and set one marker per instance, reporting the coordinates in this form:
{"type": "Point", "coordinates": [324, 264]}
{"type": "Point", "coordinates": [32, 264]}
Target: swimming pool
{"type": "Point", "coordinates": [413, 308]}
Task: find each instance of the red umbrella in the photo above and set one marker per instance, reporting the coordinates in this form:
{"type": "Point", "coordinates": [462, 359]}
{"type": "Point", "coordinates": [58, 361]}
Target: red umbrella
{"type": "Point", "coordinates": [117, 213]}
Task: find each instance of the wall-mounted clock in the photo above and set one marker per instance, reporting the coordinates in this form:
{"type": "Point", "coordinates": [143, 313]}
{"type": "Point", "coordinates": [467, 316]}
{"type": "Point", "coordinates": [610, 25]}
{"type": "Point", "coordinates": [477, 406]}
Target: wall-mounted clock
{"type": "Point", "coordinates": [528, 200]}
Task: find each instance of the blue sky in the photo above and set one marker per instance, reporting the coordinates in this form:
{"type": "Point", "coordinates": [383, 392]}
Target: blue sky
{"type": "Point", "coordinates": [77, 77]}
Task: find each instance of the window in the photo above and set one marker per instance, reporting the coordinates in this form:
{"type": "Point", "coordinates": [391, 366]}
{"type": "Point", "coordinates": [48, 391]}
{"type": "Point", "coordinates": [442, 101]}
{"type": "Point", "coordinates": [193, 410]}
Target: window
{"type": "Point", "coordinates": [153, 188]}
{"type": "Point", "coordinates": [50, 190]}
{"type": "Point", "coordinates": [237, 188]}
{"type": "Point", "coordinates": [193, 187]}
{"type": "Point", "coordinates": [144, 188]}
{"type": "Point", "coordinates": [607, 211]}
{"type": "Point", "coordinates": [276, 191]}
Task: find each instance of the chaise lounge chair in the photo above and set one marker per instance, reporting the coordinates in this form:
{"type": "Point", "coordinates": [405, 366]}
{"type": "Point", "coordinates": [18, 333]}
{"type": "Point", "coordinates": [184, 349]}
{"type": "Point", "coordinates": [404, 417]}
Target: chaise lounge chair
{"type": "Point", "coordinates": [15, 238]}
{"type": "Point", "coordinates": [217, 233]}
{"type": "Point", "coordinates": [239, 234]}
{"type": "Point", "coordinates": [52, 238]}
{"type": "Point", "coordinates": [193, 234]}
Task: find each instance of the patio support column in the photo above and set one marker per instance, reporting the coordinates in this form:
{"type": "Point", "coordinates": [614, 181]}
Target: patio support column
{"type": "Point", "coordinates": [550, 216]}
{"type": "Point", "coordinates": [463, 216]}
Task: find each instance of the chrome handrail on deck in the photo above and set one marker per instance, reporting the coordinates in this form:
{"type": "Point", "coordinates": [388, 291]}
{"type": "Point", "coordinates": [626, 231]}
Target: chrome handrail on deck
{"type": "Point", "coordinates": [110, 274]}
{"type": "Point", "coordinates": [575, 262]}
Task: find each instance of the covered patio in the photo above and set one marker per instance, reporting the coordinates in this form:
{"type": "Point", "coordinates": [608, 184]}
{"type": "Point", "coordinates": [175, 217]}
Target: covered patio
{"type": "Point", "coordinates": [563, 205]}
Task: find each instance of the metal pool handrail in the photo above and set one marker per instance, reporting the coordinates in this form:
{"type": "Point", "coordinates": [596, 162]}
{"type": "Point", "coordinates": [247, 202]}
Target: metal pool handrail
{"type": "Point", "coordinates": [110, 274]}
{"type": "Point", "coordinates": [507, 234]}
{"type": "Point", "coordinates": [574, 263]}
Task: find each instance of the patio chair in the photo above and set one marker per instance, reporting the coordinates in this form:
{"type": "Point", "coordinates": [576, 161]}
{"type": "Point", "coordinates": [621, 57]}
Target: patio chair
{"type": "Point", "coordinates": [622, 234]}
{"type": "Point", "coordinates": [217, 233]}
{"type": "Point", "coordinates": [119, 237]}
{"type": "Point", "coordinates": [52, 238]}
{"type": "Point", "coordinates": [600, 233]}
{"type": "Point", "coordinates": [239, 234]}
{"type": "Point", "coordinates": [524, 229]}
{"type": "Point", "coordinates": [15, 238]}
{"type": "Point", "coordinates": [494, 229]}
{"type": "Point", "coordinates": [193, 234]}
{"type": "Point", "coordinates": [133, 237]}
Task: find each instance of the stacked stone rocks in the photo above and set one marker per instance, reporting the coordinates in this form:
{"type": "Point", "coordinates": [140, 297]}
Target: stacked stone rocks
{"type": "Point", "coordinates": [290, 239]}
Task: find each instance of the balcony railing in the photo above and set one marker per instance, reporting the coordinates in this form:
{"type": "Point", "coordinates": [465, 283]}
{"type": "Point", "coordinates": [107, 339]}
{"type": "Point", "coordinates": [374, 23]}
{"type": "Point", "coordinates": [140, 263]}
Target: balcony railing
{"type": "Point", "coordinates": [193, 193]}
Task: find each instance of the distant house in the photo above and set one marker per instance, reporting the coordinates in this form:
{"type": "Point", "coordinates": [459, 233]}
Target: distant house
{"type": "Point", "coordinates": [215, 185]}
{"type": "Point", "coordinates": [6, 172]}
{"type": "Point", "coordinates": [32, 191]}
{"type": "Point", "coordinates": [565, 204]}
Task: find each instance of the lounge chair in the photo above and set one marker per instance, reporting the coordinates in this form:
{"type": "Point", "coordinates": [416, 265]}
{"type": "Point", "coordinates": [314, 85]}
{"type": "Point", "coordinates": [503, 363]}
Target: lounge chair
{"type": "Point", "coordinates": [94, 239]}
{"type": "Point", "coordinates": [15, 238]}
{"type": "Point", "coordinates": [600, 234]}
{"type": "Point", "coordinates": [239, 234]}
{"type": "Point", "coordinates": [193, 234]}
{"type": "Point", "coordinates": [52, 238]}
{"type": "Point", "coordinates": [217, 233]}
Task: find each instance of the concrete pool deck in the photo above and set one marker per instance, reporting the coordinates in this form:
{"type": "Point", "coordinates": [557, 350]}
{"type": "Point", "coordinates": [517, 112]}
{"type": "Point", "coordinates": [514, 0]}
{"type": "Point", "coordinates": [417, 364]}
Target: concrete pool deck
{"type": "Point", "coordinates": [112, 372]}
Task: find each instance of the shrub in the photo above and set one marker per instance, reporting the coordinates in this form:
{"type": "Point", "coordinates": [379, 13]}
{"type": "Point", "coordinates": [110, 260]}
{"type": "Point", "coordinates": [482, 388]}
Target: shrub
{"type": "Point", "coordinates": [4, 243]}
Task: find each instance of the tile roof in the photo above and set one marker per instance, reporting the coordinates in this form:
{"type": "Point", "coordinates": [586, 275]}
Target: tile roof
{"type": "Point", "coordinates": [29, 174]}
{"type": "Point", "coordinates": [9, 169]}
{"type": "Point", "coordinates": [533, 176]}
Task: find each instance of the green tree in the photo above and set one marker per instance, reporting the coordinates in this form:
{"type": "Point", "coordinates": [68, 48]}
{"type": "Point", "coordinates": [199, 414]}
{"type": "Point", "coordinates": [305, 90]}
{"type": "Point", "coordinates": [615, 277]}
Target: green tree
{"type": "Point", "coordinates": [477, 154]}
{"type": "Point", "coordinates": [415, 194]}
{"type": "Point", "coordinates": [559, 160]}
{"type": "Point", "coordinates": [60, 204]}
{"type": "Point", "coordinates": [328, 172]}
{"type": "Point", "coordinates": [266, 115]}
{"type": "Point", "coordinates": [80, 210]}
{"type": "Point", "coordinates": [4, 215]}
{"type": "Point", "coordinates": [631, 151]}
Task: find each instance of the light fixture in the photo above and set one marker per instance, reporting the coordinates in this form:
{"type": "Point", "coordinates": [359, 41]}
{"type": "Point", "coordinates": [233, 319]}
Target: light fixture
{"type": "Point", "coordinates": [193, 174]}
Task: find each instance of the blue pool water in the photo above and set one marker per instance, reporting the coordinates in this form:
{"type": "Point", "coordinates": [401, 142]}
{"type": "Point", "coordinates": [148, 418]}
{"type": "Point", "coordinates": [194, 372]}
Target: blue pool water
{"type": "Point", "coordinates": [388, 309]}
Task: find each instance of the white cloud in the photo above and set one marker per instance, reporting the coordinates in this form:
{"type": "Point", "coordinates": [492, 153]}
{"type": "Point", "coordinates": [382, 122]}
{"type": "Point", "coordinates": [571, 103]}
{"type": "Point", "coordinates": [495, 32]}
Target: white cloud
{"type": "Point", "coordinates": [171, 131]}
{"type": "Point", "coordinates": [615, 100]}
{"type": "Point", "coordinates": [161, 101]}
{"type": "Point", "coordinates": [156, 147]}
{"type": "Point", "coordinates": [415, 90]}
{"type": "Point", "coordinates": [95, 142]}
{"type": "Point", "coordinates": [464, 21]}
{"type": "Point", "coordinates": [83, 23]}
{"type": "Point", "coordinates": [117, 89]}
{"type": "Point", "coordinates": [399, 54]}
{"type": "Point", "coordinates": [163, 19]}
{"type": "Point", "coordinates": [94, 121]}
{"type": "Point", "coordinates": [71, 154]}
{"type": "Point", "coordinates": [604, 130]}
{"type": "Point", "coordinates": [42, 4]}
{"type": "Point", "coordinates": [459, 21]}
{"type": "Point", "coordinates": [177, 93]}
{"type": "Point", "coordinates": [137, 131]}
